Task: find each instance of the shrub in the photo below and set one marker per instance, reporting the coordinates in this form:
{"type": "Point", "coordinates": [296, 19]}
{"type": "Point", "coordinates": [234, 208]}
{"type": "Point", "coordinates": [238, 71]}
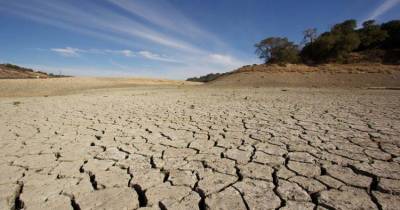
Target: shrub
{"type": "Point", "coordinates": [277, 50]}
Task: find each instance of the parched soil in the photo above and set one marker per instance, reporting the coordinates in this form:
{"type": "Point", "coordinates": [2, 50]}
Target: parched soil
{"type": "Point", "coordinates": [202, 148]}
{"type": "Point", "coordinates": [71, 85]}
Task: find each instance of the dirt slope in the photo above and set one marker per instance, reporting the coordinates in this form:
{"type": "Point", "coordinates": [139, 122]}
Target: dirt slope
{"type": "Point", "coordinates": [329, 75]}
{"type": "Point", "coordinates": [8, 71]}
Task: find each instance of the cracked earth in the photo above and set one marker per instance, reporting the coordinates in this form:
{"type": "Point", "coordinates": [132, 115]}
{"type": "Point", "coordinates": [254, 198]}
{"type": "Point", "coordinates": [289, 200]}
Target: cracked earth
{"type": "Point", "coordinates": [202, 148]}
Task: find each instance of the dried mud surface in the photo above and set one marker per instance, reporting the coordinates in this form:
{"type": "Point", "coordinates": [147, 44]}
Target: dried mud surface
{"type": "Point", "coordinates": [74, 85]}
{"type": "Point", "coordinates": [202, 148]}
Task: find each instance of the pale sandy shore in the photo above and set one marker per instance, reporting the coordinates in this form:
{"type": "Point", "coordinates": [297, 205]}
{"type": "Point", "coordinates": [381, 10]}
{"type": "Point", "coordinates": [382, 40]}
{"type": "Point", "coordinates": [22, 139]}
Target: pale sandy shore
{"type": "Point", "coordinates": [188, 147]}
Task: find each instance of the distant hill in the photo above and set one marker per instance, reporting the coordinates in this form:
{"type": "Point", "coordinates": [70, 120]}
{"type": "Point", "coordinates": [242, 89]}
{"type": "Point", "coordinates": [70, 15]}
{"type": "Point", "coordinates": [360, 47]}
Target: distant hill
{"type": "Point", "coordinates": [299, 75]}
{"type": "Point", "coordinates": [10, 71]}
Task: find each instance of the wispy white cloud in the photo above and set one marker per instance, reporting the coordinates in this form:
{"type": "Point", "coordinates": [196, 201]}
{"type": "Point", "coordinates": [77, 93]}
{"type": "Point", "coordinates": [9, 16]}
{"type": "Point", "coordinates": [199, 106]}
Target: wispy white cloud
{"type": "Point", "coordinates": [98, 20]}
{"type": "Point", "coordinates": [384, 7]}
{"type": "Point", "coordinates": [157, 57]}
{"type": "Point", "coordinates": [125, 53]}
{"type": "Point", "coordinates": [163, 14]}
{"type": "Point", "coordinates": [225, 60]}
{"type": "Point", "coordinates": [195, 67]}
{"type": "Point", "coordinates": [67, 52]}
{"type": "Point", "coordinates": [75, 52]}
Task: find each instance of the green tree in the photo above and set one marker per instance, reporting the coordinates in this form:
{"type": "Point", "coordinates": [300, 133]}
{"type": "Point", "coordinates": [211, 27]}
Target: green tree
{"type": "Point", "coordinates": [347, 39]}
{"type": "Point", "coordinates": [393, 30]}
{"type": "Point", "coordinates": [345, 44]}
{"type": "Point", "coordinates": [345, 27]}
{"type": "Point", "coordinates": [277, 50]}
{"type": "Point", "coordinates": [371, 35]}
{"type": "Point", "coordinates": [320, 50]}
{"type": "Point", "coordinates": [333, 46]}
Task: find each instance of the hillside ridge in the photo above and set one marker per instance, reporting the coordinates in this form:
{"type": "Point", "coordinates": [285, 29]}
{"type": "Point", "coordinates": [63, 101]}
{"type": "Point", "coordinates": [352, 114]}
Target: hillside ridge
{"type": "Point", "coordinates": [10, 71]}
{"type": "Point", "coordinates": [300, 75]}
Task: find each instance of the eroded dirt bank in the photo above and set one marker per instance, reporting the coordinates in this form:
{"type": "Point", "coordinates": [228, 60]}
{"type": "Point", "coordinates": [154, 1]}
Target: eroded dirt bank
{"type": "Point", "coordinates": [321, 76]}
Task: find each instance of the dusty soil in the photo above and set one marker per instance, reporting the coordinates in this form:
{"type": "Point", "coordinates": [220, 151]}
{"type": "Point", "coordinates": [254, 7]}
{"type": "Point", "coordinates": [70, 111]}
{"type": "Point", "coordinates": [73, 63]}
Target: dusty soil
{"type": "Point", "coordinates": [70, 85]}
{"type": "Point", "coordinates": [202, 148]}
{"type": "Point", "coordinates": [328, 75]}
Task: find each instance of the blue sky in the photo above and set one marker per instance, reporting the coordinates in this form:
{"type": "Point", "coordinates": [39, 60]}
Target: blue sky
{"type": "Point", "coordinates": [162, 38]}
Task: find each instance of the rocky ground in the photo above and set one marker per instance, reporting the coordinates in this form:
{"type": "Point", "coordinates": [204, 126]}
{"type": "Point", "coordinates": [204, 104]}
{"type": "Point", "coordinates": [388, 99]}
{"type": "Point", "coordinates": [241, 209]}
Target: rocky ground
{"type": "Point", "coordinates": [202, 148]}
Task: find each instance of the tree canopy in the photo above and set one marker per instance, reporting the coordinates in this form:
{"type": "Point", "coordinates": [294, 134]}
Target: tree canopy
{"type": "Point", "coordinates": [336, 45]}
{"type": "Point", "coordinates": [277, 50]}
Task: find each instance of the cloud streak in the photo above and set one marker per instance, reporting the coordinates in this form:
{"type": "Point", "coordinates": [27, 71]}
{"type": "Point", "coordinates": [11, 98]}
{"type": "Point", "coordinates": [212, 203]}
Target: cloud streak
{"type": "Point", "coordinates": [225, 60]}
{"type": "Point", "coordinates": [157, 57]}
{"type": "Point", "coordinates": [76, 52]}
{"type": "Point", "coordinates": [382, 9]}
{"type": "Point", "coordinates": [98, 20]}
{"type": "Point", "coordinates": [161, 13]}
{"type": "Point", "coordinates": [67, 52]}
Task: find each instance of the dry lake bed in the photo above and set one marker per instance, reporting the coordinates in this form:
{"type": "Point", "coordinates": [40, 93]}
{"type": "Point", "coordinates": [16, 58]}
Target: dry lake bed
{"type": "Point", "coordinates": [201, 148]}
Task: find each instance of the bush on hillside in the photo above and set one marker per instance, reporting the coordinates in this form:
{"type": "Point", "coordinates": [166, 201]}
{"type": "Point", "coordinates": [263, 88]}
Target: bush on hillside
{"type": "Point", "coordinates": [277, 50]}
{"type": "Point", "coordinates": [334, 45]}
{"type": "Point", "coordinates": [206, 78]}
{"type": "Point", "coordinates": [15, 67]}
{"type": "Point", "coordinates": [393, 30]}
